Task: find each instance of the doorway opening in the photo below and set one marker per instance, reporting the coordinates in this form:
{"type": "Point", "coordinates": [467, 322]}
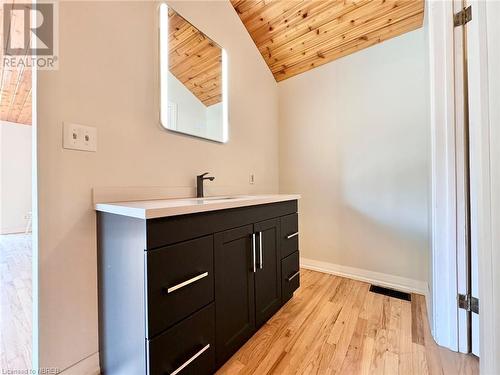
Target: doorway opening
{"type": "Point", "coordinates": [16, 249]}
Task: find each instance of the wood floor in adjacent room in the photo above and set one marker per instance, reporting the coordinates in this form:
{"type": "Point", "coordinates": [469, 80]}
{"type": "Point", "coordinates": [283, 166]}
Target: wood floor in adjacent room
{"type": "Point", "coordinates": [334, 325]}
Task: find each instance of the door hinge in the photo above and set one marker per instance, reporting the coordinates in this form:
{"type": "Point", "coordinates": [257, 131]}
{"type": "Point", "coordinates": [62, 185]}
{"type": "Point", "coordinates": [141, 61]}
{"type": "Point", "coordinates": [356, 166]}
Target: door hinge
{"type": "Point", "coordinates": [469, 303]}
{"type": "Point", "coordinates": [462, 17]}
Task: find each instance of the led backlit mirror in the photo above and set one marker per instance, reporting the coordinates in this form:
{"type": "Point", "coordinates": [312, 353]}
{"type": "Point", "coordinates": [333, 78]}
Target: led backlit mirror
{"type": "Point", "coordinates": [193, 74]}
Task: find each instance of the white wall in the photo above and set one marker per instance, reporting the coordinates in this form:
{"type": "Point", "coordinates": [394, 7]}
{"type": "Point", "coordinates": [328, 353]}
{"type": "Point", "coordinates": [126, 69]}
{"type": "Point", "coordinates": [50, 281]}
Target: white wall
{"type": "Point", "coordinates": [191, 112]}
{"type": "Point", "coordinates": [354, 141]}
{"type": "Point", "coordinates": [214, 121]}
{"type": "Point", "coordinates": [193, 117]}
{"type": "Point", "coordinates": [15, 176]}
{"type": "Point", "coordinates": [107, 78]}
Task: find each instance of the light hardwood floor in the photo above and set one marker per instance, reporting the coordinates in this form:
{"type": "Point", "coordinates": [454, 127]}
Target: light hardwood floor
{"type": "Point", "coordinates": [334, 325]}
{"type": "Point", "coordinates": [15, 302]}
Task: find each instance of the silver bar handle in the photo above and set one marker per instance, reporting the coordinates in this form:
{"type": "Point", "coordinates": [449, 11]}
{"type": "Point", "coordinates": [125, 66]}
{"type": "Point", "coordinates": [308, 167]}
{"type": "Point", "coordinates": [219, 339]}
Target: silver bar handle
{"type": "Point", "coordinates": [261, 263]}
{"type": "Point", "coordinates": [292, 235]}
{"type": "Point", "coordinates": [187, 282]}
{"type": "Point", "coordinates": [253, 253]}
{"type": "Point", "coordinates": [293, 276]}
{"type": "Point", "coordinates": [185, 364]}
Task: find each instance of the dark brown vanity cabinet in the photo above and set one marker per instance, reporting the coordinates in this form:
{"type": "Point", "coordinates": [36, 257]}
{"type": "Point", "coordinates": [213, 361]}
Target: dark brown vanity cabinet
{"type": "Point", "coordinates": [289, 242]}
{"type": "Point", "coordinates": [268, 270]}
{"type": "Point", "coordinates": [235, 289]}
{"type": "Point", "coordinates": [181, 294]}
{"type": "Point", "coordinates": [179, 280]}
{"type": "Point", "coordinates": [247, 283]}
{"type": "Point", "coordinates": [290, 275]}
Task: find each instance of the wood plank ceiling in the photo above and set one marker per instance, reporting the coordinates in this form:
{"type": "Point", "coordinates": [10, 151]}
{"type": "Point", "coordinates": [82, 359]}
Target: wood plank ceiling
{"type": "Point", "coordinates": [195, 60]}
{"type": "Point", "coordinates": [15, 82]}
{"type": "Point", "coordinates": [295, 36]}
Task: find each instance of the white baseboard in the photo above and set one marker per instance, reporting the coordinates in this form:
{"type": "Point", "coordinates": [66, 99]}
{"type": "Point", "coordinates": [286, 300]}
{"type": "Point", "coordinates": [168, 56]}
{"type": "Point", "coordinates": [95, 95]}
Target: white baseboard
{"type": "Point", "coordinates": [87, 366]}
{"type": "Point", "coordinates": [382, 279]}
{"type": "Point", "coordinates": [14, 230]}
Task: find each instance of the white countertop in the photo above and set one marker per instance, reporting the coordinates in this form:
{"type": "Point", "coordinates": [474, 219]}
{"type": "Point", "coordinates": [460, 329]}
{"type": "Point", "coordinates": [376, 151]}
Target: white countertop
{"type": "Point", "coordinates": [172, 207]}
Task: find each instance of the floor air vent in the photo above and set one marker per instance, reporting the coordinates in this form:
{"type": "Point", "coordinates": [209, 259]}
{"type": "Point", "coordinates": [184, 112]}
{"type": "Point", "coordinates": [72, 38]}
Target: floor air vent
{"type": "Point", "coordinates": [390, 292]}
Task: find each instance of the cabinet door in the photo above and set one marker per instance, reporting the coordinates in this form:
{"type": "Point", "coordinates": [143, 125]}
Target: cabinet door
{"type": "Point", "coordinates": [234, 290]}
{"type": "Point", "coordinates": [268, 275]}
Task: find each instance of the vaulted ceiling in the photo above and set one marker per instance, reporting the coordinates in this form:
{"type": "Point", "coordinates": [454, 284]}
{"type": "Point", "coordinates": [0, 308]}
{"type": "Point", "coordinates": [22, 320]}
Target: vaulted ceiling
{"type": "Point", "coordinates": [295, 36]}
{"type": "Point", "coordinates": [195, 60]}
{"type": "Point", "coordinates": [15, 82]}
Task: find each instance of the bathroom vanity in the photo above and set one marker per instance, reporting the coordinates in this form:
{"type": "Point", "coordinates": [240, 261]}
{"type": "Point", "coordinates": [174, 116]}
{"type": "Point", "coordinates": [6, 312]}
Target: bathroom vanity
{"type": "Point", "coordinates": [184, 283]}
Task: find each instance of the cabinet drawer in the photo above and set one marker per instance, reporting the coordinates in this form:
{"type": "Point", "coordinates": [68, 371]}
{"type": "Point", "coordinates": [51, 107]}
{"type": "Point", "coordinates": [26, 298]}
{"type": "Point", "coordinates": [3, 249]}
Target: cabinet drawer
{"type": "Point", "coordinates": [186, 348]}
{"type": "Point", "coordinates": [180, 280]}
{"type": "Point", "coordinates": [289, 235]}
{"type": "Point", "coordinates": [290, 275]}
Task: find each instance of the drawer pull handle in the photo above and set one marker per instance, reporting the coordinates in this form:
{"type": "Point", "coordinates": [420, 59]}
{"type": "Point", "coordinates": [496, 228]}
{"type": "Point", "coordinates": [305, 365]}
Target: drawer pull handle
{"type": "Point", "coordinates": [292, 235]}
{"type": "Point", "coordinates": [185, 364]}
{"type": "Point", "coordinates": [261, 264]}
{"type": "Point", "coordinates": [187, 282]}
{"type": "Point", "coordinates": [253, 253]}
{"type": "Point", "coordinates": [293, 276]}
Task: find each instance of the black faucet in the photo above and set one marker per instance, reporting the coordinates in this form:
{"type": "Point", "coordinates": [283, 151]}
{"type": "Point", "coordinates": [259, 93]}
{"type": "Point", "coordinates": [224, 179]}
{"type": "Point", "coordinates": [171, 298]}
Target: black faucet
{"type": "Point", "coordinates": [199, 183]}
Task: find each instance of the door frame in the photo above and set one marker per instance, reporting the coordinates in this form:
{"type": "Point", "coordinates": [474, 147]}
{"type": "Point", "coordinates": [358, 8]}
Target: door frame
{"type": "Point", "coordinates": [483, 53]}
{"type": "Point", "coordinates": [485, 137]}
{"type": "Point", "coordinates": [35, 233]}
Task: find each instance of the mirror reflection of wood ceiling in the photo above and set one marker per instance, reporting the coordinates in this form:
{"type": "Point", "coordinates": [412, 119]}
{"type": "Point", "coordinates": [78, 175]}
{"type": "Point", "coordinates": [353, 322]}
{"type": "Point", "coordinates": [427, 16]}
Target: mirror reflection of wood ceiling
{"type": "Point", "coordinates": [296, 36]}
{"type": "Point", "coordinates": [195, 60]}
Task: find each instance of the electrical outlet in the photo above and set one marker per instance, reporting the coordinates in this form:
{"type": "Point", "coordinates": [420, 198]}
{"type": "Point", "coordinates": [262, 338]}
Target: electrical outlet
{"type": "Point", "coordinates": [79, 137]}
{"type": "Point", "coordinates": [251, 178]}
{"type": "Point", "coordinates": [70, 136]}
{"type": "Point", "coordinates": [90, 139]}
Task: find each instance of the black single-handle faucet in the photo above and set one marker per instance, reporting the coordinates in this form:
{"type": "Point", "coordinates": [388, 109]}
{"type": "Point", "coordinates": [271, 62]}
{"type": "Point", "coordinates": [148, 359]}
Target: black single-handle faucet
{"type": "Point", "coordinates": [199, 183]}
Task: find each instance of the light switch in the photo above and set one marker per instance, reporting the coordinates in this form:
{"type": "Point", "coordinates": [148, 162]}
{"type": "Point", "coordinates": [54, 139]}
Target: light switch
{"type": "Point", "coordinates": [79, 137]}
